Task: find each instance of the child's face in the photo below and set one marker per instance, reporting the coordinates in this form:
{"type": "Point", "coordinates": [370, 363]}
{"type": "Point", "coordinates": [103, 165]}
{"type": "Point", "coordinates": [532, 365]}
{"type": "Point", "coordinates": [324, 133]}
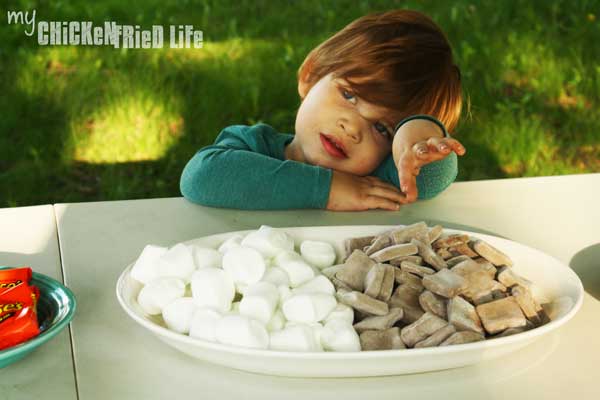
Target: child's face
{"type": "Point", "coordinates": [330, 112]}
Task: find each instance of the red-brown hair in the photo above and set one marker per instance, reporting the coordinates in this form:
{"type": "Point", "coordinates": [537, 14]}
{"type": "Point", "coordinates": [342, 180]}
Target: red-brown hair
{"type": "Point", "coordinates": [403, 60]}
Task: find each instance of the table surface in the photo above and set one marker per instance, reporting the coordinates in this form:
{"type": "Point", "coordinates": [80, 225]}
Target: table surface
{"type": "Point", "coordinates": [28, 237]}
{"type": "Point", "coordinates": [117, 359]}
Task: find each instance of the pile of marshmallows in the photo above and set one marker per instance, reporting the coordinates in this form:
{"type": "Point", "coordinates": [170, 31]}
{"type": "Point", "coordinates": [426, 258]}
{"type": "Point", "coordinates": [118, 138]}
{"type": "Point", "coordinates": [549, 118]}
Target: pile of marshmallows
{"type": "Point", "coordinates": [286, 303]}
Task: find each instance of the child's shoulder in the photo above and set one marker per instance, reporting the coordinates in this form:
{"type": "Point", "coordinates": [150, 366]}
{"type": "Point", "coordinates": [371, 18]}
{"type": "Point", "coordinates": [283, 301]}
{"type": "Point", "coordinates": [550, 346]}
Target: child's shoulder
{"type": "Point", "coordinates": [259, 129]}
{"type": "Point", "coordinates": [260, 137]}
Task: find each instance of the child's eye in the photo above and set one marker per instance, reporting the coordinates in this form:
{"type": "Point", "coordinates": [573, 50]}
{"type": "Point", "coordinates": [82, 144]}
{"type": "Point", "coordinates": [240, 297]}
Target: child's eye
{"type": "Point", "coordinates": [381, 128]}
{"type": "Point", "coordinates": [349, 96]}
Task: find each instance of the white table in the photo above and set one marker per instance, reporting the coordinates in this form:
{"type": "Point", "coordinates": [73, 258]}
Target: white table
{"type": "Point", "coordinates": [28, 237]}
{"type": "Point", "coordinates": [117, 359]}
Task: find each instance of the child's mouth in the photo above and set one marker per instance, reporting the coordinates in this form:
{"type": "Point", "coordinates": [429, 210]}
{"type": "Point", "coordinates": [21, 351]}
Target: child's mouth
{"type": "Point", "coordinates": [332, 148]}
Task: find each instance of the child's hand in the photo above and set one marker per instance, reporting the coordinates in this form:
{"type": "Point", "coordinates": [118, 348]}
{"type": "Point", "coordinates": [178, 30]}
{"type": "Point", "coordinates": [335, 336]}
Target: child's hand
{"type": "Point", "coordinates": [357, 193]}
{"type": "Point", "coordinates": [418, 143]}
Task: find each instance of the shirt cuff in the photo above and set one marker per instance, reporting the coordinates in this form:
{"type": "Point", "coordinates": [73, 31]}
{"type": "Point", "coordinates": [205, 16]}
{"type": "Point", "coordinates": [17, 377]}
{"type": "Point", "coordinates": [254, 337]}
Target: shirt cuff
{"type": "Point", "coordinates": [423, 116]}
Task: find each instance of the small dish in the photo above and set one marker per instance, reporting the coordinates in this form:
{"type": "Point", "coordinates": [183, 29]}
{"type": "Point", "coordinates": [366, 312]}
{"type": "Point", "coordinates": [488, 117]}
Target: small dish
{"type": "Point", "coordinates": [55, 308]}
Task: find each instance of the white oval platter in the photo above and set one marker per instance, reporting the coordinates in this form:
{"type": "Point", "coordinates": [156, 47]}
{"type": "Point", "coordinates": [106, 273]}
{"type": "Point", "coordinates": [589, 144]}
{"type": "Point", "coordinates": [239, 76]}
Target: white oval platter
{"type": "Point", "coordinates": [552, 280]}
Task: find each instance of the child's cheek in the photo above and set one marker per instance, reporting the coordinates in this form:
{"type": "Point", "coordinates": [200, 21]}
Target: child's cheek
{"type": "Point", "coordinates": [364, 165]}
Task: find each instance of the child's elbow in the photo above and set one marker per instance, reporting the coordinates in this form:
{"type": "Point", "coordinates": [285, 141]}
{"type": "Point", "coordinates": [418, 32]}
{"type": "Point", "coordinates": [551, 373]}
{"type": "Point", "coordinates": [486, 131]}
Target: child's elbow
{"type": "Point", "coordinates": [431, 192]}
{"type": "Point", "coordinates": [192, 181]}
{"type": "Point", "coordinates": [437, 177]}
{"type": "Point", "coordinates": [188, 189]}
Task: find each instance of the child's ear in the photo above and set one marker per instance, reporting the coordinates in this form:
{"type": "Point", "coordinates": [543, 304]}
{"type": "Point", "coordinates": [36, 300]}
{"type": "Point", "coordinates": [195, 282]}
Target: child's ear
{"type": "Point", "coordinates": [303, 80]}
{"type": "Point", "coordinates": [303, 88]}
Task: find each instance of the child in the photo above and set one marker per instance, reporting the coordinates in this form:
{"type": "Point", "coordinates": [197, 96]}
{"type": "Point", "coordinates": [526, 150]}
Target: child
{"type": "Point", "coordinates": [377, 100]}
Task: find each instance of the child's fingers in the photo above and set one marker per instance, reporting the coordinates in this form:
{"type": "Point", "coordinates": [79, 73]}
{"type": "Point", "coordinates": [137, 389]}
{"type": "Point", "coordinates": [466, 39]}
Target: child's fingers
{"type": "Point", "coordinates": [378, 182]}
{"type": "Point", "coordinates": [408, 183]}
{"type": "Point", "coordinates": [421, 150]}
{"type": "Point", "coordinates": [425, 153]}
{"type": "Point", "coordinates": [456, 146]}
{"type": "Point", "coordinates": [388, 193]}
{"type": "Point", "coordinates": [435, 149]}
{"type": "Point", "coordinates": [407, 166]}
{"type": "Point", "coordinates": [438, 145]}
{"type": "Point", "coordinates": [446, 145]}
{"type": "Point", "coordinates": [383, 203]}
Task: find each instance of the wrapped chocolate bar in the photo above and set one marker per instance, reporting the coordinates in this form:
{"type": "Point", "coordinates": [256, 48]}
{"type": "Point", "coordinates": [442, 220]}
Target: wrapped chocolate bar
{"type": "Point", "coordinates": [18, 299]}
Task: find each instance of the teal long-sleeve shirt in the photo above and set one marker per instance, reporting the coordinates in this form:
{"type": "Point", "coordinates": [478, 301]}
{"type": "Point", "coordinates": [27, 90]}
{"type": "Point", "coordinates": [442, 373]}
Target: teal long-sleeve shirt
{"type": "Point", "coordinates": [246, 169]}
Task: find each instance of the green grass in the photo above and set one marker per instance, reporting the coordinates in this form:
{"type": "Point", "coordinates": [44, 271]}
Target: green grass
{"type": "Point", "coordinates": [97, 123]}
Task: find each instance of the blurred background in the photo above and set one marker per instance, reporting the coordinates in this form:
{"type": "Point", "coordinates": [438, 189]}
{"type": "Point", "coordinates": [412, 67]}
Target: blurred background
{"type": "Point", "coordinates": [99, 123]}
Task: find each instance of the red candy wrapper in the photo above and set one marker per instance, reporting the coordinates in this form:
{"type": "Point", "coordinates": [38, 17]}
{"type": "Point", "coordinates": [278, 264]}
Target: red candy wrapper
{"type": "Point", "coordinates": [11, 278]}
{"type": "Point", "coordinates": [18, 299]}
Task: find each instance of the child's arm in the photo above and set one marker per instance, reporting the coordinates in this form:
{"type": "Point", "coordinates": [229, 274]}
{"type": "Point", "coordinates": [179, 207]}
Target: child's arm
{"type": "Point", "coordinates": [433, 178]}
{"type": "Point", "coordinates": [241, 170]}
{"type": "Point", "coordinates": [423, 159]}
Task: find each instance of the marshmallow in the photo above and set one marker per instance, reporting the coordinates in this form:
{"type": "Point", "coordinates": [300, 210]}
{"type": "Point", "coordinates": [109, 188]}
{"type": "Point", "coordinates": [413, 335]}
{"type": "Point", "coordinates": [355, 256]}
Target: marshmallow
{"type": "Point", "coordinates": [239, 330]}
{"type": "Point", "coordinates": [284, 293]}
{"type": "Point", "coordinates": [244, 264]}
{"type": "Point", "coordinates": [277, 321]}
{"type": "Point", "coordinates": [178, 314]}
{"type": "Point", "coordinates": [213, 287]}
{"type": "Point", "coordinates": [319, 284]}
{"type": "Point", "coordinates": [296, 268]}
{"type": "Point", "coordinates": [339, 335]}
{"type": "Point", "coordinates": [316, 327]}
{"type": "Point", "coordinates": [177, 262]}
{"type": "Point", "coordinates": [308, 307]}
{"type": "Point", "coordinates": [205, 257]}
{"type": "Point", "coordinates": [319, 254]}
{"type": "Point", "coordinates": [145, 268]}
{"type": "Point", "coordinates": [341, 312]}
{"type": "Point", "coordinates": [233, 241]}
{"type": "Point", "coordinates": [204, 324]}
{"type": "Point", "coordinates": [159, 292]}
{"type": "Point", "coordinates": [269, 241]}
{"type": "Point", "coordinates": [259, 301]}
{"type": "Point", "coordinates": [298, 337]}
{"type": "Point", "coordinates": [316, 271]}
{"type": "Point", "coordinates": [269, 263]}
{"type": "Point", "coordinates": [276, 276]}
{"type": "Point", "coordinates": [240, 288]}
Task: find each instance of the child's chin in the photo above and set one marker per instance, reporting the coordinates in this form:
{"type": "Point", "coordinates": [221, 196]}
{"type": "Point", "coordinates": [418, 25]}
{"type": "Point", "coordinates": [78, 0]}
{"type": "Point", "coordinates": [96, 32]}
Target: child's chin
{"type": "Point", "coordinates": [337, 165]}
{"type": "Point", "coordinates": [350, 170]}
{"type": "Point", "coordinates": [356, 170]}
{"type": "Point", "coordinates": [321, 162]}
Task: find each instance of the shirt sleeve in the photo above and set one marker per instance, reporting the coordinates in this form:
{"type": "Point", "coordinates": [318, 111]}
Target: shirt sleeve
{"type": "Point", "coordinates": [240, 171]}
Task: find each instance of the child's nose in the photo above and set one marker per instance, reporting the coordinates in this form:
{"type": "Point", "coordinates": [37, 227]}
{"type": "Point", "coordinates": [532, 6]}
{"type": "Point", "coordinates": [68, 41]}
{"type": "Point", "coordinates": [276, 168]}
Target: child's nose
{"type": "Point", "coordinates": [351, 130]}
